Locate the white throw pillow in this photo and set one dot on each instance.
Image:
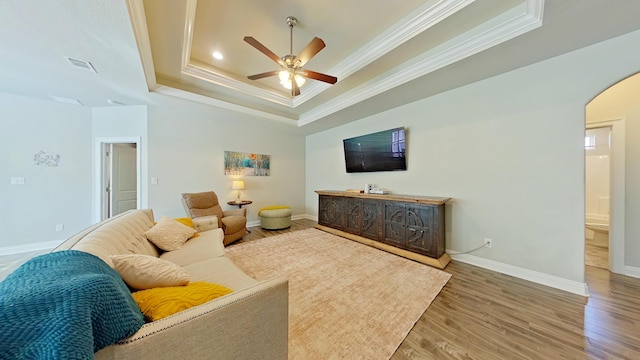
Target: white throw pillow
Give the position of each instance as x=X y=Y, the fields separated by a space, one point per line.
x=145 y=272
x=169 y=234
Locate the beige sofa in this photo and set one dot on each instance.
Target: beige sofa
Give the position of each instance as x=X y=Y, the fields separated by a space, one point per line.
x=250 y=323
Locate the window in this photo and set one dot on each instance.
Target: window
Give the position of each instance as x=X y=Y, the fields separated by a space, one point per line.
x=590 y=142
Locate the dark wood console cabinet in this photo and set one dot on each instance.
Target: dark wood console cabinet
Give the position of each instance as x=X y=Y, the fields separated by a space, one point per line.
x=410 y=226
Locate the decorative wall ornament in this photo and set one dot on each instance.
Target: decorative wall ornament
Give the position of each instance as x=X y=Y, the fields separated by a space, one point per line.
x=45 y=159
x=247 y=164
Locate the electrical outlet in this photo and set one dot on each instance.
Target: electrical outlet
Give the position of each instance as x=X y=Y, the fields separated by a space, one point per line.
x=488 y=243
x=59 y=227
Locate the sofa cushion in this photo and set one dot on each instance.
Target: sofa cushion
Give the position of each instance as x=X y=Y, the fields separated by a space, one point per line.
x=159 y=303
x=169 y=234
x=207 y=245
x=145 y=272
x=121 y=234
x=220 y=270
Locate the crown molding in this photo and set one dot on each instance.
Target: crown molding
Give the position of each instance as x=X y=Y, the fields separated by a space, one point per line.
x=404 y=30
x=141 y=33
x=506 y=26
x=187 y=95
x=502 y=28
x=204 y=74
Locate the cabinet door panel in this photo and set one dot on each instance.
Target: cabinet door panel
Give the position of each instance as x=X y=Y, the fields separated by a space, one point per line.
x=371 y=219
x=353 y=219
x=419 y=229
x=331 y=212
x=394 y=224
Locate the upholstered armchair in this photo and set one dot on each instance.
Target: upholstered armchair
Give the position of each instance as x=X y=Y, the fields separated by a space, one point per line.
x=232 y=222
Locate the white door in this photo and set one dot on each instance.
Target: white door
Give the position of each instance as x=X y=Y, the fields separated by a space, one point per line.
x=124 y=190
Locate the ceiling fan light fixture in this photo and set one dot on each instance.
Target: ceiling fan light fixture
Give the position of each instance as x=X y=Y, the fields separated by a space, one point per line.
x=291 y=65
x=284 y=76
x=286 y=83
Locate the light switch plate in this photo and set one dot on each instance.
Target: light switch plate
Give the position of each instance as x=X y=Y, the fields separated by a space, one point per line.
x=17 y=180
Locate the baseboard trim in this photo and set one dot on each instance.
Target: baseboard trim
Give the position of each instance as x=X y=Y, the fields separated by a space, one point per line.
x=253 y=223
x=632 y=271
x=17 y=249
x=574 y=287
x=299 y=217
x=293 y=217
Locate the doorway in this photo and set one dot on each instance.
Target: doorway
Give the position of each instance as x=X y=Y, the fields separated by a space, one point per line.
x=118 y=176
x=119 y=163
x=616 y=191
x=597 y=147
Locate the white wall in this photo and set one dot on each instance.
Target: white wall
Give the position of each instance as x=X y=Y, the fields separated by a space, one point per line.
x=622 y=101
x=509 y=150
x=50 y=195
x=186 y=151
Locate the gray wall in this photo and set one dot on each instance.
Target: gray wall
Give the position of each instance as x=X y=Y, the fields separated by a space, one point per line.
x=510 y=152
x=186 y=153
x=50 y=195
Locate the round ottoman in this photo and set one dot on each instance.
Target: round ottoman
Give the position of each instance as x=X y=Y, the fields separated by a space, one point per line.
x=275 y=217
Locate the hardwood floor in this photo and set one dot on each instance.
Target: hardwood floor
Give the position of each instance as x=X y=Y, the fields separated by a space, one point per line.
x=597 y=251
x=481 y=314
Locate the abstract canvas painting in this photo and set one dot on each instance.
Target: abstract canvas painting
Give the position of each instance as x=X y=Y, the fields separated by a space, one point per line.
x=248 y=164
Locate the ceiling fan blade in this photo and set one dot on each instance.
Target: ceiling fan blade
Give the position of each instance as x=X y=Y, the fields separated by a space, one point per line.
x=310 y=51
x=295 y=89
x=263 y=49
x=318 y=76
x=263 y=75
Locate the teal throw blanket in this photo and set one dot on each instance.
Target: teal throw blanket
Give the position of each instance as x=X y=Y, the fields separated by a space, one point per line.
x=64 y=305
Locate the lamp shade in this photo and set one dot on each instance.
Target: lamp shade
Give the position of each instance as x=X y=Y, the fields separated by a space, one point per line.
x=237 y=185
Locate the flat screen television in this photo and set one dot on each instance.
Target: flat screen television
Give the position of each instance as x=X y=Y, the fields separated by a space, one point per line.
x=380 y=151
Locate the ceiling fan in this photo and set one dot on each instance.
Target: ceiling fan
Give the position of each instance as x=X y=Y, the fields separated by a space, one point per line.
x=292 y=75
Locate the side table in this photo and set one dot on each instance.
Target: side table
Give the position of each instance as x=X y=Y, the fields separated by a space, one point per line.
x=239 y=204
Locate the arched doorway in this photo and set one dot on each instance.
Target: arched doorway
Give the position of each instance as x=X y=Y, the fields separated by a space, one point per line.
x=617 y=108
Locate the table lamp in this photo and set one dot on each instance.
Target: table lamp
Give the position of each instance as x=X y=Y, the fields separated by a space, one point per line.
x=237 y=185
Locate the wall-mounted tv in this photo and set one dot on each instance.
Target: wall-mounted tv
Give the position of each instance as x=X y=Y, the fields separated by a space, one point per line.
x=380 y=151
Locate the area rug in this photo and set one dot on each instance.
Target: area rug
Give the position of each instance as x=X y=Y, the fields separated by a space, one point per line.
x=346 y=300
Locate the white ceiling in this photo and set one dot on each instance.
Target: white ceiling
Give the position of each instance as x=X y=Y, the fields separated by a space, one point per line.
x=385 y=54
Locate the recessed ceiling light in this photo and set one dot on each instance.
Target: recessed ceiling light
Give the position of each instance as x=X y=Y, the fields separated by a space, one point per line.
x=218 y=55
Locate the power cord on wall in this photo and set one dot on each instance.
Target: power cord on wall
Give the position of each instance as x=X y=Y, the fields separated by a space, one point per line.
x=468 y=251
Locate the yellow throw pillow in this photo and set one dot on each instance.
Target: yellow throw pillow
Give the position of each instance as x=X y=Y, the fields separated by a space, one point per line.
x=185 y=221
x=169 y=234
x=189 y=222
x=145 y=272
x=159 y=303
